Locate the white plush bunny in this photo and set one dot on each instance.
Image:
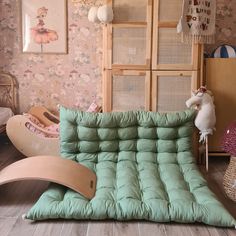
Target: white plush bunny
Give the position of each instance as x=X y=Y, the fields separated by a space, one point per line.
x=206 y=118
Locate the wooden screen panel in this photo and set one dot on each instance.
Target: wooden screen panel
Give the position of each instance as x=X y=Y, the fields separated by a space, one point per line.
x=172 y=93
x=127 y=40
x=168 y=52
x=129 y=46
x=220 y=79
x=171 y=49
x=130 y=11
x=126 y=90
x=170 y=10
x=128 y=93
x=171 y=90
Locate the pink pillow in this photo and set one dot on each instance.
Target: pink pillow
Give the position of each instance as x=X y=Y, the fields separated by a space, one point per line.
x=51 y=128
x=34 y=120
x=94 y=108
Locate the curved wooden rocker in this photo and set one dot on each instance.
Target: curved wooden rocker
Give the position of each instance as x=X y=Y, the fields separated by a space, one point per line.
x=44 y=115
x=29 y=143
x=53 y=169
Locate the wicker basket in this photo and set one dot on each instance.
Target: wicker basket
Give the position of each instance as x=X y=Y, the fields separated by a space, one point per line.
x=230 y=179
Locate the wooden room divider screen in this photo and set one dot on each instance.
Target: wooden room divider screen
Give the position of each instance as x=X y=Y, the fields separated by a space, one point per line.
x=146 y=67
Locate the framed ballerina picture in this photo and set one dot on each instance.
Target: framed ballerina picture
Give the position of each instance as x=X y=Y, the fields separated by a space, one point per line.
x=44 y=26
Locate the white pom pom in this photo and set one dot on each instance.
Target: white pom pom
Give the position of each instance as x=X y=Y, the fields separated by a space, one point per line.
x=105 y=14
x=92 y=15
x=23 y=217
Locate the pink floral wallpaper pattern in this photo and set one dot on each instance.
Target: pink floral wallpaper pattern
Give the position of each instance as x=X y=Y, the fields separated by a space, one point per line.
x=74 y=79
x=225 y=24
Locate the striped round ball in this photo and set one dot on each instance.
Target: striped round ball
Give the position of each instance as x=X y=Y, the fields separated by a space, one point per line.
x=224 y=51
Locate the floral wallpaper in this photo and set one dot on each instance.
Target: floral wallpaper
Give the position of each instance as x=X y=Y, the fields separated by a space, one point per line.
x=225 y=24
x=73 y=79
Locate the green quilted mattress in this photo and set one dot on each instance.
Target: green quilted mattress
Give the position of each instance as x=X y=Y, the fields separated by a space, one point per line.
x=144 y=166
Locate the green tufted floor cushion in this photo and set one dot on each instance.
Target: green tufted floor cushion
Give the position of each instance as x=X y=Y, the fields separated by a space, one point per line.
x=145 y=170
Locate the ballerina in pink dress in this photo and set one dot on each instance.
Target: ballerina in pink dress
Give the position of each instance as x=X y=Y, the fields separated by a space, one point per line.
x=40 y=34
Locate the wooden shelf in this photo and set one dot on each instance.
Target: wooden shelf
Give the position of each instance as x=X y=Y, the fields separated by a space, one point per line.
x=220 y=79
x=129 y=24
x=218 y=154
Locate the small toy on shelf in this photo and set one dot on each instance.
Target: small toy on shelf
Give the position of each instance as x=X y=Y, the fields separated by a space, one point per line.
x=94 y=107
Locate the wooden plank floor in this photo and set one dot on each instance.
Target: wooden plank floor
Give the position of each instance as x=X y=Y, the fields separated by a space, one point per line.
x=17 y=198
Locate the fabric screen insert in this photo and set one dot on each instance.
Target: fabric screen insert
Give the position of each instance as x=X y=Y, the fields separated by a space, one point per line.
x=171 y=50
x=130 y=11
x=128 y=93
x=129 y=46
x=170 y=10
x=172 y=92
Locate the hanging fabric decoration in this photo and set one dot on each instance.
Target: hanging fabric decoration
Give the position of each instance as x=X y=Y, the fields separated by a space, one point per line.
x=197 y=23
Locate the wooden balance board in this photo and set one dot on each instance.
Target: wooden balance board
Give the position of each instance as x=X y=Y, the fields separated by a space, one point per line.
x=29 y=143
x=44 y=115
x=53 y=169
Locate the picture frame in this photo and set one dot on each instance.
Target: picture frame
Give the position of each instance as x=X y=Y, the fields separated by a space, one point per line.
x=44 y=26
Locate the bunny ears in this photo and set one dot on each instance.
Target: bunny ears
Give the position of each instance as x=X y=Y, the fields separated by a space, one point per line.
x=202 y=90
x=103 y=14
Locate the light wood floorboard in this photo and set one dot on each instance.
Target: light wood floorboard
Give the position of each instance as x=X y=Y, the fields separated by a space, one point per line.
x=6 y=224
x=178 y=230
x=100 y=228
x=152 y=229
x=17 y=198
x=48 y=228
x=199 y=230
x=125 y=228
x=22 y=228
x=75 y=228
